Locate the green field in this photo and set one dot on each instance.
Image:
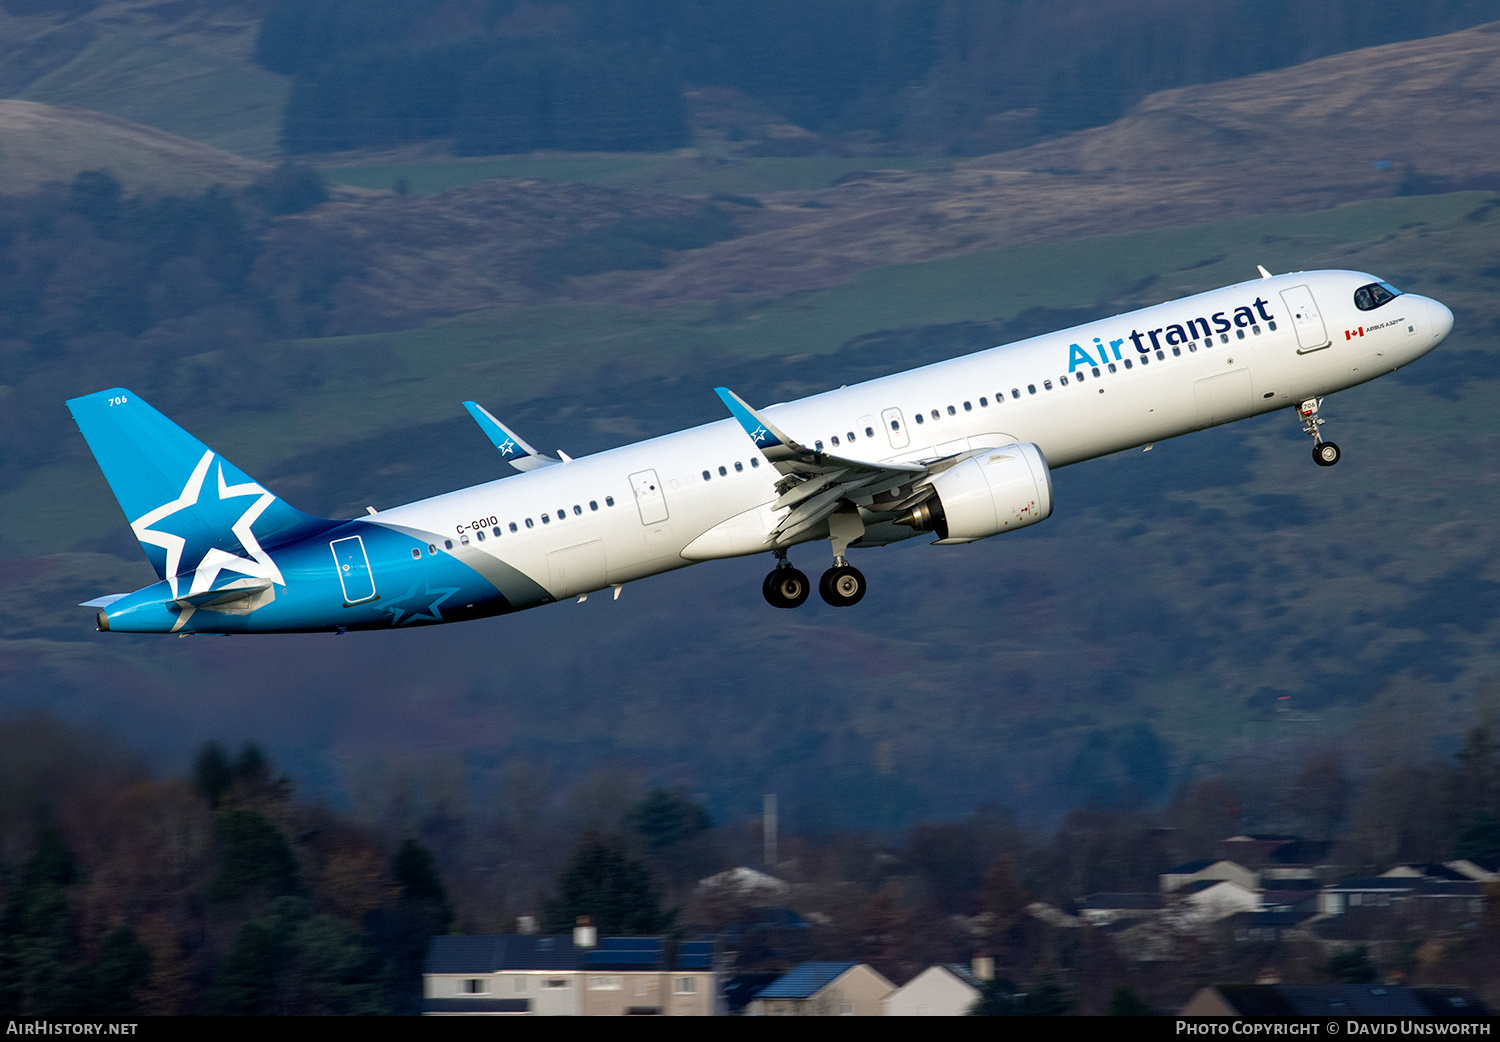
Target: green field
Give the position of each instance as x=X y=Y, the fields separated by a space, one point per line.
x=182 y=90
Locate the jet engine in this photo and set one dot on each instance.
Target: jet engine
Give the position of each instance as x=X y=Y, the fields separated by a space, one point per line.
x=994 y=491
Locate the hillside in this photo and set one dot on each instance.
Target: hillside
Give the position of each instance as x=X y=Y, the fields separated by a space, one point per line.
x=53 y=143
x=1414 y=116
x=185 y=68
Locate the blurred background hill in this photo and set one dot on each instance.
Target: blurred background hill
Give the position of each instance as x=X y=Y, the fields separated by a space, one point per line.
x=308 y=230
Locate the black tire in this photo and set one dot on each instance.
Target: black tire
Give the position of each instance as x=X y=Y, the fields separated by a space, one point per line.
x=1326 y=454
x=842 y=587
x=786 y=588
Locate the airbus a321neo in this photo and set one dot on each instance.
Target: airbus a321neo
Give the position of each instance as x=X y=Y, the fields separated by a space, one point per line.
x=961 y=450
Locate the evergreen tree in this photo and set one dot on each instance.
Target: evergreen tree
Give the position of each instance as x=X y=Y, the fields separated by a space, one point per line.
x=607 y=885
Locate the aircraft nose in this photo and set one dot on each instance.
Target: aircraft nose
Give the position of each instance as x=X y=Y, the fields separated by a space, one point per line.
x=1441 y=318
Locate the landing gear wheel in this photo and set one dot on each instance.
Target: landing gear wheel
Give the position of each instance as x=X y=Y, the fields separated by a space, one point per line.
x=842 y=586
x=1326 y=454
x=786 y=588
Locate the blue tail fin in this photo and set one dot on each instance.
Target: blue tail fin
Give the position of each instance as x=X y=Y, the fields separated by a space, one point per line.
x=189 y=507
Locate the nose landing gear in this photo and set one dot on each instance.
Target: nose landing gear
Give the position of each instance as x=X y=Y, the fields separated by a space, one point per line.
x=1325 y=453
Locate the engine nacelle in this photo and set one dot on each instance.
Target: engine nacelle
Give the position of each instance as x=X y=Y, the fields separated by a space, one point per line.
x=998 y=490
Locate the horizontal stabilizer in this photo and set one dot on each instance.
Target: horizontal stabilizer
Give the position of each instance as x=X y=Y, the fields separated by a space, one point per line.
x=516 y=452
x=228 y=597
x=103 y=602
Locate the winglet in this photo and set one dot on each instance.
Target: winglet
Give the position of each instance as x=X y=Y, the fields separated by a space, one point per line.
x=516 y=452
x=767 y=437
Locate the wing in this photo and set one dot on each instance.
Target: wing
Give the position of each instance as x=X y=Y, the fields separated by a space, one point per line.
x=516 y=452
x=816 y=484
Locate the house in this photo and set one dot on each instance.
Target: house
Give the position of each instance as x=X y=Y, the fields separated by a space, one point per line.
x=1207 y=869
x=1208 y=900
x=562 y=975
x=1337 y=1000
x=949 y=990
x=824 y=989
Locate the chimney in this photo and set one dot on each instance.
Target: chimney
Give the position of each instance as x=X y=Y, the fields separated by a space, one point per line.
x=983 y=967
x=525 y=924
x=584 y=934
x=768 y=831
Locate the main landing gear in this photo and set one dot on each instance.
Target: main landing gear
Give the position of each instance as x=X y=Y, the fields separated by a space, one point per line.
x=842 y=586
x=1325 y=453
x=785 y=587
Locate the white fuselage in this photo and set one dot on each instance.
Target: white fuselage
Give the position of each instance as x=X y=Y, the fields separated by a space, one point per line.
x=1137 y=378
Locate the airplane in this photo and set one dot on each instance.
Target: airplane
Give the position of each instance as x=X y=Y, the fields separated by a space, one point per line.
x=961 y=450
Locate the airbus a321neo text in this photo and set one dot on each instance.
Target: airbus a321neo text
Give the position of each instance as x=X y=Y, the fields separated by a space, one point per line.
x=961 y=450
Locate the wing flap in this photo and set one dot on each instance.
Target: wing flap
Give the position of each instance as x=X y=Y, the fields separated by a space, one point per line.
x=816 y=484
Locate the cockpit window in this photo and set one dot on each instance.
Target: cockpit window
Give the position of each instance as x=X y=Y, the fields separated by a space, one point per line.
x=1368 y=298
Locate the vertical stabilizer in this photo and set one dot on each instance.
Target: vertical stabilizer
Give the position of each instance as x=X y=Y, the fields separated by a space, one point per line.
x=193 y=511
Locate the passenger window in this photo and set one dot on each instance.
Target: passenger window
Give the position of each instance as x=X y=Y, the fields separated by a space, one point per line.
x=1031 y=388
x=1240 y=333
x=952 y=411
x=447 y=544
x=1161 y=356
x=577 y=510
x=1015 y=392
x=895 y=425
x=870 y=431
x=431 y=548
x=1177 y=351
x=818 y=445
x=1112 y=368
x=546 y=519
x=1096 y=370
x=416 y=554
x=480 y=534
x=609 y=501
x=738 y=467
x=1255 y=330
x=593 y=504
x=936 y=414
x=919 y=419
x=1046 y=385
x=968 y=407
x=464 y=540
x=1078 y=376
x=530 y=523
x=1223 y=338
x=706 y=475
x=1192 y=349
x=850 y=435
x=754 y=462
x=834 y=440
x=984 y=403
x=1271 y=326
x=1127 y=363
x=723 y=472
x=1063 y=380
x=1145 y=359
x=495 y=531
x=513 y=527
x=562 y=514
